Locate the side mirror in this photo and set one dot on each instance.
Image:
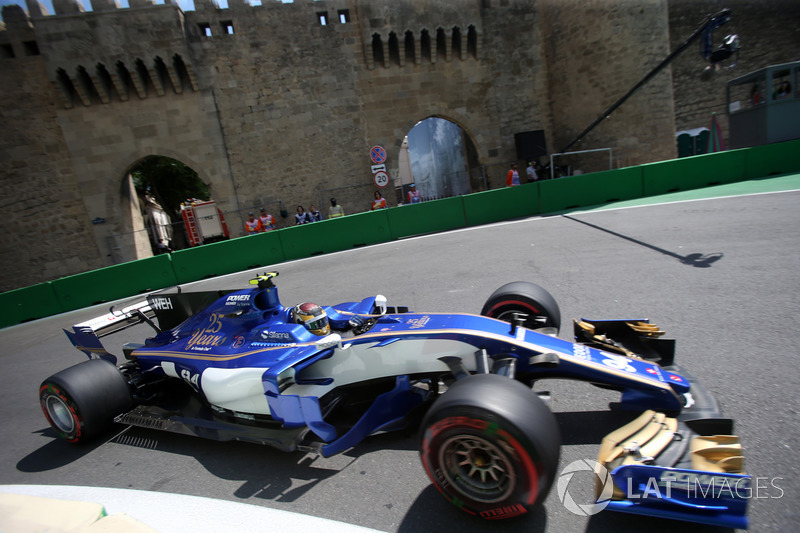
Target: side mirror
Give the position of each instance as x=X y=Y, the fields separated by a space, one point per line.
x=380 y=304
x=329 y=341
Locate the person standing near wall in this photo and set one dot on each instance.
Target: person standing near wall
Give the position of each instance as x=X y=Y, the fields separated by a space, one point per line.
x=314 y=215
x=301 y=217
x=379 y=202
x=414 y=197
x=531 y=171
x=267 y=221
x=512 y=178
x=335 y=210
x=252 y=225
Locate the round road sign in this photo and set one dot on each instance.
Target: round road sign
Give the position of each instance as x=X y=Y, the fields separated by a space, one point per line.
x=381 y=179
x=377 y=154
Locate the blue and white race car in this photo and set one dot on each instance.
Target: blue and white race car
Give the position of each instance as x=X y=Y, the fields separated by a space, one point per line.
x=238 y=365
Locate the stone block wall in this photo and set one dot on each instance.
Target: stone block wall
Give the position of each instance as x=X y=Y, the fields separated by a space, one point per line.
x=272 y=107
x=596 y=51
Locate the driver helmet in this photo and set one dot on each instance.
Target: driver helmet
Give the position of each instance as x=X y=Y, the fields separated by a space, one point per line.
x=313 y=317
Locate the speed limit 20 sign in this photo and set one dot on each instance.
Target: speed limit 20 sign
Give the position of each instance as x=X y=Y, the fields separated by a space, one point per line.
x=381 y=178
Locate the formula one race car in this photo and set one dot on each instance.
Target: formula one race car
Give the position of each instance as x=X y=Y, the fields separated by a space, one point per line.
x=238 y=365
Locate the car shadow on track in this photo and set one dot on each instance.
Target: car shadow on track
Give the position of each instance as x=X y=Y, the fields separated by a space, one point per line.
x=56 y=453
x=431 y=512
x=265 y=473
x=589 y=427
x=624 y=523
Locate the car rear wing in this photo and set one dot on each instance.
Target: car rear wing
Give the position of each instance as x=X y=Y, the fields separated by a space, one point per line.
x=86 y=335
x=169 y=308
x=116 y=320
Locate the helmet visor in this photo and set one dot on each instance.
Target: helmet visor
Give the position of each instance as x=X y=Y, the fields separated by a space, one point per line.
x=317 y=323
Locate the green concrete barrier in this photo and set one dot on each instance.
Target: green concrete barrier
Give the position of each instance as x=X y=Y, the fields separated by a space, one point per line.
x=29 y=303
x=219 y=258
x=693 y=172
x=428 y=217
x=263 y=250
x=590 y=189
x=336 y=234
x=501 y=204
x=772 y=159
x=114 y=282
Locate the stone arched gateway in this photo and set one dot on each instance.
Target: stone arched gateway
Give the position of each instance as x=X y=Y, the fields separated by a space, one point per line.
x=443 y=159
x=270 y=104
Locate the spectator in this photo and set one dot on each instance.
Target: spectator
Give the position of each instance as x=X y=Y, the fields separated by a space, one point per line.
x=314 y=215
x=414 y=196
x=335 y=210
x=267 y=221
x=252 y=224
x=755 y=97
x=379 y=202
x=301 y=217
x=512 y=178
x=531 y=171
x=784 y=90
x=162 y=248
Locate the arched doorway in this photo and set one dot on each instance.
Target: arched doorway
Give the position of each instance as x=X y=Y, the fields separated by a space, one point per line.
x=439 y=157
x=162 y=184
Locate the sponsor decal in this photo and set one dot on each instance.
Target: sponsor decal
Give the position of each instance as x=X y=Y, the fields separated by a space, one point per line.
x=420 y=322
x=202 y=340
x=579 y=350
x=280 y=336
x=270 y=344
x=655 y=371
x=619 y=362
x=238 y=342
x=234 y=299
x=503 y=512
x=161 y=304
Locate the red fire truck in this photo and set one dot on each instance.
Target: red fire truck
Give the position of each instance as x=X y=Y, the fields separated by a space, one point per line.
x=204 y=222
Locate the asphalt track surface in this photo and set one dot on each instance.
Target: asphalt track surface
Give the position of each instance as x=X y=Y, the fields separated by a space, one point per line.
x=721 y=275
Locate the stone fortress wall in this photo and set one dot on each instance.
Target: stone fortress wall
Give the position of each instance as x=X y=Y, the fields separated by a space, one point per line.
x=271 y=107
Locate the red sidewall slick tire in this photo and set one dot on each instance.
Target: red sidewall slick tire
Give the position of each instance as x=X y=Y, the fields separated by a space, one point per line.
x=525 y=298
x=490 y=446
x=61 y=412
x=81 y=401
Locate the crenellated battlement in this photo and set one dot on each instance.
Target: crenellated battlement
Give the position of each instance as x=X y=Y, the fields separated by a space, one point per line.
x=112 y=53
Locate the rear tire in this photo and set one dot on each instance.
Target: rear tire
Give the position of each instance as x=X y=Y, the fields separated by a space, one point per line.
x=526 y=298
x=81 y=401
x=490 y=446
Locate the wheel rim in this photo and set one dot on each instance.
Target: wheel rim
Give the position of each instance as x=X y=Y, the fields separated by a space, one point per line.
x=60 y=414
x=477 y=468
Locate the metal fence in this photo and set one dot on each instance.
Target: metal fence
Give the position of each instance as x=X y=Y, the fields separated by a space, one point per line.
x=580 y=162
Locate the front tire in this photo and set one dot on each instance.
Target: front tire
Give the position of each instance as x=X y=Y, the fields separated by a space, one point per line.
x=524 y=298
x=81 y=401
x=490 y=446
